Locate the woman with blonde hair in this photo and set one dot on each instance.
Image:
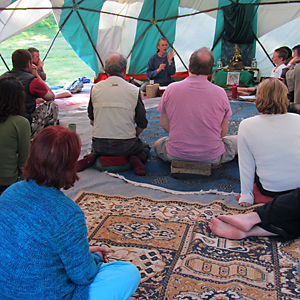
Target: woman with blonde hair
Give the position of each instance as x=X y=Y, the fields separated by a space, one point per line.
x=269 y=145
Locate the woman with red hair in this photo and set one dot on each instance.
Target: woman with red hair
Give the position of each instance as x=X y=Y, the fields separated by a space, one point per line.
x=44 y=251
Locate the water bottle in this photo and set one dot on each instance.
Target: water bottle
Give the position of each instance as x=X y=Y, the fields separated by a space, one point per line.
x=254 y=63
x=234 y=91
x=219 y=64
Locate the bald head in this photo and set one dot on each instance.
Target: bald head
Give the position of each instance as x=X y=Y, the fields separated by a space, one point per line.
x=201 y=62
x=115 y=64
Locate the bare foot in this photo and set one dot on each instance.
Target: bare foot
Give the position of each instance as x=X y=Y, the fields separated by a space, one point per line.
x=226 y=230
x=243 y=222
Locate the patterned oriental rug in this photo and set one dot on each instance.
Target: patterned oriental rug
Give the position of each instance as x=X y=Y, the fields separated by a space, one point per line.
x=224 y=181
x=179 y=257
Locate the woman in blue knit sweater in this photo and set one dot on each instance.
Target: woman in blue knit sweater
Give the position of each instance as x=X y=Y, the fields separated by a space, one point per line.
x=44 y=252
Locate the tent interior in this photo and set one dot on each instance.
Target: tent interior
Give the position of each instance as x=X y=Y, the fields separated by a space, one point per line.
x=132 y=27
x=94 y=28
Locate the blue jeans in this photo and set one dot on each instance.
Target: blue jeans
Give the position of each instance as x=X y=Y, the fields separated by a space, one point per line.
x=115 y=281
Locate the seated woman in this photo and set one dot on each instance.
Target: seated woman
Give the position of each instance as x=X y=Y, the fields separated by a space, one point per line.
x=14 y=131
x=44 y=251
x=269 y=145
x=280 y=217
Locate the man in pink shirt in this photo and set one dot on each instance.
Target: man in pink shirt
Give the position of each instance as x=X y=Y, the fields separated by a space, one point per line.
x=195 y=114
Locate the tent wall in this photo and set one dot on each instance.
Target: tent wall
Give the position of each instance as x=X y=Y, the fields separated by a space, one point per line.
x=115 y=25
x=13 y=22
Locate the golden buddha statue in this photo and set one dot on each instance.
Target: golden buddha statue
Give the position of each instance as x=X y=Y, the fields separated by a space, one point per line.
x=236 y=61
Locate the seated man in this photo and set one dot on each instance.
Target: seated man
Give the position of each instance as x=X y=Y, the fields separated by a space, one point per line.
x=36 y=92
x=38 y=63
x=292 y=76
x=195 y=113
x=161 y=66
x=114 y=108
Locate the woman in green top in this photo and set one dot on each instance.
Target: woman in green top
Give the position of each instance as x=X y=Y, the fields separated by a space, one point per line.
x=14 y=131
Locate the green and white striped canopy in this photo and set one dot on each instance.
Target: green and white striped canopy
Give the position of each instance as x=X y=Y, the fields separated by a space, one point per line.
x=96 y=27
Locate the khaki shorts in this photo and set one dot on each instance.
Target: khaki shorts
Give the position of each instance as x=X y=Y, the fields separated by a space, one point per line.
x=230 y=144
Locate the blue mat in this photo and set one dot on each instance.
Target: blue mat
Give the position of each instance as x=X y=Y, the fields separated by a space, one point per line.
x=225 y=179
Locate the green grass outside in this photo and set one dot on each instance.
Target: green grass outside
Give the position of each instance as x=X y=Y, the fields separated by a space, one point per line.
x=62 y=63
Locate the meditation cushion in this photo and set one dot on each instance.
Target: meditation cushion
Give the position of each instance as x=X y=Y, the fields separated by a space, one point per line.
x=112 y=163
x=259 y=198
x=113 y=160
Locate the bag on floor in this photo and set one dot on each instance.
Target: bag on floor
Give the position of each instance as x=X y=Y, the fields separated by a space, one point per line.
x=75 y=86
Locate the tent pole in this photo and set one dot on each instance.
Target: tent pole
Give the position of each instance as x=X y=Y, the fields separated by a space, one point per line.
x=261 y=45
x=53 y=40
x=95 y=49
x=59 y=29
x=218 y=39
x=139 y=39
x=4 y=62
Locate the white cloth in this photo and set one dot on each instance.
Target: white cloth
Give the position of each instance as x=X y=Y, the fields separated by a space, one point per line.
x=270 y=146
x=276 y=72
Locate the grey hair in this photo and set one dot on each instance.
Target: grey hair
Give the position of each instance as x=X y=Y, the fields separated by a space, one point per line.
x=115 y=64
x=158 y=42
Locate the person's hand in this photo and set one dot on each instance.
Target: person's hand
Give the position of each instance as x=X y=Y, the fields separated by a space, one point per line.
x=170 y=55
x=39 y=101
x=161 y=67
x=40 y=63
x=34 y=70
x=294 y=60
x=244 y=94
x=92 y=122
x=245 y=204
x=244 y=91
x=101 y=251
